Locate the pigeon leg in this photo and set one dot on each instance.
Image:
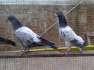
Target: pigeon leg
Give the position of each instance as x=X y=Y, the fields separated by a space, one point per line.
x=25 y=52
x=68 y=50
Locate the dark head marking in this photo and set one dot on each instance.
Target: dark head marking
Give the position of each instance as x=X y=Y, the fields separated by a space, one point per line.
x=62 y=20
x=15 y=22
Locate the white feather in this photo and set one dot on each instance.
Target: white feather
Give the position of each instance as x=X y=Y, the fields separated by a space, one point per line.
x=24 y=33
x=68 y=34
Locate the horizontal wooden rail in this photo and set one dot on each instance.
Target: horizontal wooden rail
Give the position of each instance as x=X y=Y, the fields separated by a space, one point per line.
x=90 y=47
x=88 y=51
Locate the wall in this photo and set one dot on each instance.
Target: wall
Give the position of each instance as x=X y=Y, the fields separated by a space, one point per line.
x=40 y=17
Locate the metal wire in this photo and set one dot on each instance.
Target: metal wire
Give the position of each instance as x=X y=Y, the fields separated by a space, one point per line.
x=49 y=63
x=78 y=3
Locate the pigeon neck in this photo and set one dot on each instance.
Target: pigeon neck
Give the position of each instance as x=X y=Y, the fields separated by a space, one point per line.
x=62 y=21
x=15 y=22
x=16 y=25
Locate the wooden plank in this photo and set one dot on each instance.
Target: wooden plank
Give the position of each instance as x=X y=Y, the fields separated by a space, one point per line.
x=46 y=52
x=90 y=47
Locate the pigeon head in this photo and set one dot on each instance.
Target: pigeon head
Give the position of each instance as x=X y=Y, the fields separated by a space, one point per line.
x=62 y=20
x=15 y=22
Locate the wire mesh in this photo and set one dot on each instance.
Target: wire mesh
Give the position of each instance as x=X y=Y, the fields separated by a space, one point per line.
x=55 y=62
x=48 y=63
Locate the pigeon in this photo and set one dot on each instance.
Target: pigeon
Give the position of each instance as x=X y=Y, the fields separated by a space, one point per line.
x=27 y=37
x=68 y=34
x=7 y=41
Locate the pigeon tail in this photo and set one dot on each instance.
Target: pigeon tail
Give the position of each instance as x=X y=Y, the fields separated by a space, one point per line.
x=11 y=42
x=51 y=44
x=7 y=41
x=86 y=40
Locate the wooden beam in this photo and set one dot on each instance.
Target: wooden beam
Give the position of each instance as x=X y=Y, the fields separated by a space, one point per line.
x=74 y=49
x=88 y=51
x=63 y=49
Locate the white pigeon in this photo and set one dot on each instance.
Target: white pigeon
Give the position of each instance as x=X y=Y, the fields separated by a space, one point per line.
x=27 y=37
x=67 y=33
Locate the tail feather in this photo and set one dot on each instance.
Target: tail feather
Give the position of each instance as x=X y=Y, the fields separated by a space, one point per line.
x=48 y=43
x=10 y=42
x=7 y=41
x=86 y=40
